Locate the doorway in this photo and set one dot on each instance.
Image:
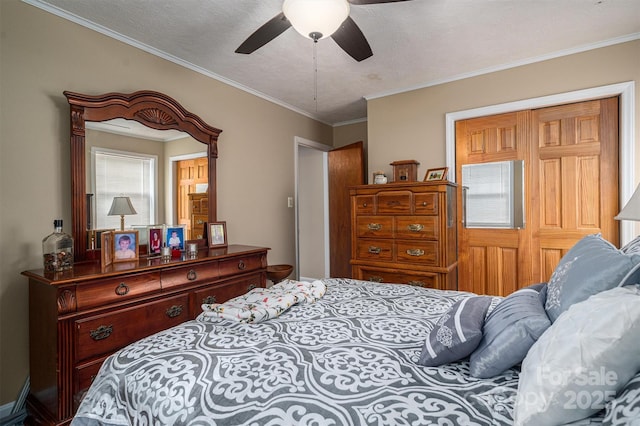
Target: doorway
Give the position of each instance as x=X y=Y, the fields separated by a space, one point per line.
x=311 y=209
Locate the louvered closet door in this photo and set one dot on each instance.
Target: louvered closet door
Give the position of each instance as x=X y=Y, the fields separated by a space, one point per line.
x=489 y=259
x=576 y=178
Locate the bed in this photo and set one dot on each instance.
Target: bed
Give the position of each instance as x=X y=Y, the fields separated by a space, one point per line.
x=352 y=357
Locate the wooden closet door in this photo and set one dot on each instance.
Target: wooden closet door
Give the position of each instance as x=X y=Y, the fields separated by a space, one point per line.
x=575 y=174
x=571 y=190
x=490 y=260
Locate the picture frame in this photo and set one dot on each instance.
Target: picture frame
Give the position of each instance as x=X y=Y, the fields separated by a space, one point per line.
x=106 y=253
x=217 y=234
x=174 y=236
x=126 y=246
x=438 y=174
x=95 y=238
x=155 y=240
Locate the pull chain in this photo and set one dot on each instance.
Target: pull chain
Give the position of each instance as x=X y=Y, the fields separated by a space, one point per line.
x=315 y=73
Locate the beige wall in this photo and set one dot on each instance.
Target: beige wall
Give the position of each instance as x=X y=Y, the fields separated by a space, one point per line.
x=411 y=125
x=43 y=55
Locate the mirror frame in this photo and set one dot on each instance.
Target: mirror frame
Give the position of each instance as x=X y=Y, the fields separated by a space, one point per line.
x=152 y=109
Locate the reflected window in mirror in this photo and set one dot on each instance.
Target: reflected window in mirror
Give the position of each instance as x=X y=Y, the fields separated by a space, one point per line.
x=493 y=194
x=131 y=174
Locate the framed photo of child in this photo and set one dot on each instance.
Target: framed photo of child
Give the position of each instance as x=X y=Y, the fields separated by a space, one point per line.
x=125 y=246
x=174 y=237
x=155 y=237
x=217 y=234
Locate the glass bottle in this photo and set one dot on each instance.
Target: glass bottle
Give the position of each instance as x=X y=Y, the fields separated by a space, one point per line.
x=57 y=249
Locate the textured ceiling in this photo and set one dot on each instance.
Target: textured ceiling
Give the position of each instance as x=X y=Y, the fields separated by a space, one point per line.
x=415 y=43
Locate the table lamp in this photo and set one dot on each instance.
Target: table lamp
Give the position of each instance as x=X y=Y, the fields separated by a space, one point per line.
x=121 y=206
x=631 y=211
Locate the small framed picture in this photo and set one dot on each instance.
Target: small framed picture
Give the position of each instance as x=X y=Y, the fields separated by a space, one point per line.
x=174 y=236
x=436 y=174
x=155 y=237
x=217 y=234
x=125 y=246
x=106 y=252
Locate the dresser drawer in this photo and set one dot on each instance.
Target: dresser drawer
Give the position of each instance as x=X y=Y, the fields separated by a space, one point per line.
x=417 y=227
x=394 y=202
x=364 y=204
x=240 y=264
x=423 y=252
x=374 y=249
x=102 y=334
x=398 y=277
x=222 y=293
x=86 y=373
x=193 y=274
x=374 y=226
x=425 y=203
x=113 y=290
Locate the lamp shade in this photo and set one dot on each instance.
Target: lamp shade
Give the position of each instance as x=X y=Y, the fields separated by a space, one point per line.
x=121 y=206
x=316 y=19
x=631 y=211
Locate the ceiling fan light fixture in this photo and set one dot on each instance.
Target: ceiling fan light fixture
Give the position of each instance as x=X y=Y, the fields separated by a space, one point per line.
x=316 y=19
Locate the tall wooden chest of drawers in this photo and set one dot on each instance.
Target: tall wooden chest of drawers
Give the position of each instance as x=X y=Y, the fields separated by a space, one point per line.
x=79 y=317
x=199 y=214
x=405 y=233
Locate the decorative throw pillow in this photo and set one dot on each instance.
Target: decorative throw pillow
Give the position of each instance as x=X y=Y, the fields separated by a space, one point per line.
x=625 y=409
x=509 y=332
x=582 y=360
x=457 y=333
x=591 y=266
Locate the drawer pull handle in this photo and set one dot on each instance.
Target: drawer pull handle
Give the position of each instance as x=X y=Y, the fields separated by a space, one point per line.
x=376 y=279
x=424 y=203
x=374 y=226
x=364 y=204
x=241 y=265
x=415 y=252
x=416 y=283
x=209 y=300
x=374 y=250
x=251 y=287
x=191 y=275
x=122 y=289
x=174 y=311
x=101 y=332
x=415 y=227
x=199 y=222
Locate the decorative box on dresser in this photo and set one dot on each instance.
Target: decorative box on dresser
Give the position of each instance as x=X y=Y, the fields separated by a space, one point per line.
x=199 y=208
x=79 y=317
x=405 y=233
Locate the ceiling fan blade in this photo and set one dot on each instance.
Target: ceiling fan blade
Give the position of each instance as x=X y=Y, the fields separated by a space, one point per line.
x=373 y=1
x=263 y=35
x=351 y=40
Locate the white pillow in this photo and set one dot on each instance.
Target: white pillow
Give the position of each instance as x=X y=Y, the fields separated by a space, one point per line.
x=582 y=360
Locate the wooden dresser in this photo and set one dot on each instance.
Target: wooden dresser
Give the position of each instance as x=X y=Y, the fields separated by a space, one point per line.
x=78 y=317
x=199 y=214
x=405 y=233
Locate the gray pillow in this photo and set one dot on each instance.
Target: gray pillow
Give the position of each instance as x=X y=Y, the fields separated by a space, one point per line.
x=591 y=266
x=457 y=333
x=625 y=408
x=509 y=331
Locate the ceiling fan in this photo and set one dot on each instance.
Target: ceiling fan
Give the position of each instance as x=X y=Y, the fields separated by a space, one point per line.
x=316 y=19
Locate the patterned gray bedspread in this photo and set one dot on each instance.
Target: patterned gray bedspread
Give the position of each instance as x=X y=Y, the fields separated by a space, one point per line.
x=348 y=359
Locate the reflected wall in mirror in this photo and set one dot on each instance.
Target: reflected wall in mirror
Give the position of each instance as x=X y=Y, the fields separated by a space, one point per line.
x=155 y=111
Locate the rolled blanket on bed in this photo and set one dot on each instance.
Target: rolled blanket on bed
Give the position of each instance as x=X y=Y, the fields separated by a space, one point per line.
x=261 y=304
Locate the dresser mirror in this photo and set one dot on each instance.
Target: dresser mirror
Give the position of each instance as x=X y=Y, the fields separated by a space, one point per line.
x=153 y=110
